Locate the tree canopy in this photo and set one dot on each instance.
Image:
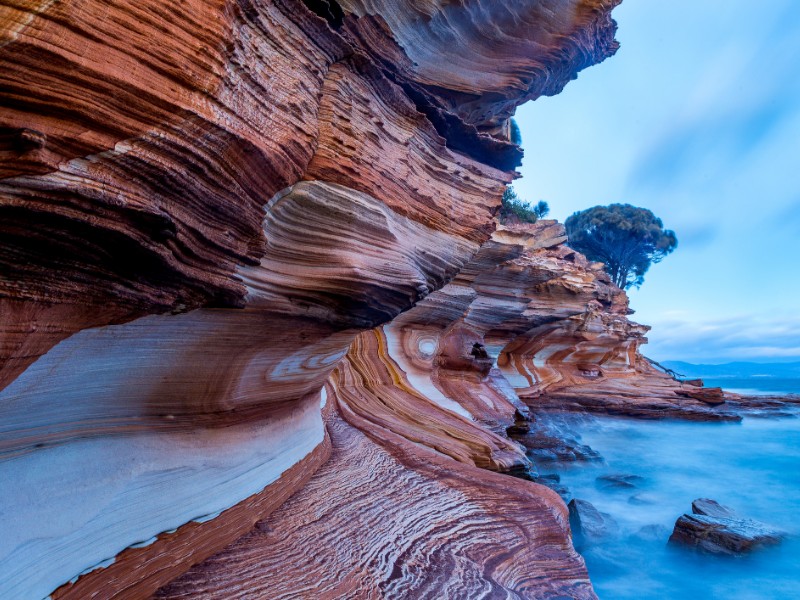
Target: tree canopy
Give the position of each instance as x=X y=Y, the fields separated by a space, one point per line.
x=628 y=239
x=515 y=208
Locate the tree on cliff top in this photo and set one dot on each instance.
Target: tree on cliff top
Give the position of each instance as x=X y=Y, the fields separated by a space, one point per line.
x=515 y=208
x=628 y=239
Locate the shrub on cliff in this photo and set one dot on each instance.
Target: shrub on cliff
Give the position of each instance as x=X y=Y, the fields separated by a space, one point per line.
x=515 y=208
x=628 y=239
x=515 y=133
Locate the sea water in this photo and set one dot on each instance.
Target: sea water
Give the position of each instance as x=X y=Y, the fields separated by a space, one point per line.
x=755 y=385
x=752 y=467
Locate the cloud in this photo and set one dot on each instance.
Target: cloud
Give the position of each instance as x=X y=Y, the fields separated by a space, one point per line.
x=744 y=92
x=713 y=144
x=745 y=337
x=788 y=219
x=696 y=235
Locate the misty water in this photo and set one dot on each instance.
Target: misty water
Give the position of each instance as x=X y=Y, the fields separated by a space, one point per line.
x=753 y=467
x=755 y=385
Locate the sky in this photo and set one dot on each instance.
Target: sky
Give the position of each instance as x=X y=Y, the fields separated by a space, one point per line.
x=697 y=117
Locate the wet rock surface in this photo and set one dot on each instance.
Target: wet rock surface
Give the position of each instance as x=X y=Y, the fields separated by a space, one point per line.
x=717 y=529
x=549 y=439
x=588 y=524
x=711 y=508
x=619 y=481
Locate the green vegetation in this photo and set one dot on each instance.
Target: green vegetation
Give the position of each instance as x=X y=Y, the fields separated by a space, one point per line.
x=516 y=134
x=628 y=239
x=515 y=209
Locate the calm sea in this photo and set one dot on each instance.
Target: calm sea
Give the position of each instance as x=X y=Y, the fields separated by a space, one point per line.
x=755 y=385
x=752 y=466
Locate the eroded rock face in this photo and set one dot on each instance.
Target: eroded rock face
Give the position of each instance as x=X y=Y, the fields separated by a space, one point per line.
x=566 y=342
x=426 y=385
x=202 y=206
x=405 y=522
x=556 y=333
x=531 y=49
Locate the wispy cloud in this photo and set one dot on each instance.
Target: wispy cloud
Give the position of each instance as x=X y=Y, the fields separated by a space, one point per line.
x=788 y=219
x=745 y=337
x=747 y=90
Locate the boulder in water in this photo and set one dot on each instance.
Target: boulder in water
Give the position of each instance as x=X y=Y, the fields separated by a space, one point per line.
x=588 y=524
x=717 y=529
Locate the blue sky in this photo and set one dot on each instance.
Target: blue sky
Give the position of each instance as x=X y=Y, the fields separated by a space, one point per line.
x=697 y=117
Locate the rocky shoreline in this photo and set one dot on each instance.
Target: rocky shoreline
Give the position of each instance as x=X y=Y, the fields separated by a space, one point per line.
x=261 y=334
x=553 y=445
x=549 y=436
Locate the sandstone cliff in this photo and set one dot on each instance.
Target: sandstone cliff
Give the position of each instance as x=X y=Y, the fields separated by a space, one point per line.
x=202 y=206
x=419 y=415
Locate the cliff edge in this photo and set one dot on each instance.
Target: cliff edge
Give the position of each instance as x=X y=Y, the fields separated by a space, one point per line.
x=207 y=209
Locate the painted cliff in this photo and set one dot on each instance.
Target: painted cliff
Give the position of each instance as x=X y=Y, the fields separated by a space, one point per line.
x=250 y=294
x=431 y=414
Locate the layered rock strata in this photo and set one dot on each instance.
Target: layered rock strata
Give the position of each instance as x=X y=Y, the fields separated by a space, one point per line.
x=201 y=207
x=405 y=521
x=527 y=326
x=571 y=346
x=530 y=323
x=427 y=385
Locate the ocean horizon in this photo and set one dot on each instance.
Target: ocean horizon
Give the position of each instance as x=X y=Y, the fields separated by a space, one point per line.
x=761 y=386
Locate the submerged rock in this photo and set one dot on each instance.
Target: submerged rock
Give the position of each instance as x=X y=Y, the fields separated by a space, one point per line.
x=550 y=478
x=652 y=532
x=548 y=439
x=642 y=499
x=588 y=524
x=545 y=449
x=717 y=529
x=553 y=481
x=618 y=481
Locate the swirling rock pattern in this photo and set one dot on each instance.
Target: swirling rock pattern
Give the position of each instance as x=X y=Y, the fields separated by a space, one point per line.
x=201 y=207
x=531 y=49
x=559 y=331
x=425 y=392
x=404 y=522
x=385 y=397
